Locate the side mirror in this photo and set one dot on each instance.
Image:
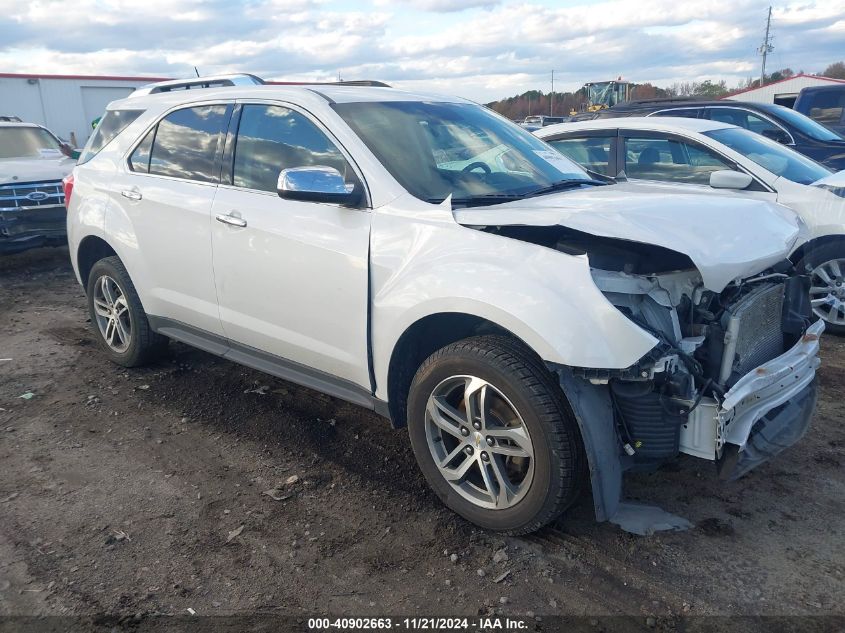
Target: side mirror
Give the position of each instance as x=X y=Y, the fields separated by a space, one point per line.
x=777 y=135
x=729 y=179
x=316 y=183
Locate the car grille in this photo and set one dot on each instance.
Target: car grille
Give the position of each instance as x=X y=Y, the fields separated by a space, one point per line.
x=31 y=195
x=754 y=332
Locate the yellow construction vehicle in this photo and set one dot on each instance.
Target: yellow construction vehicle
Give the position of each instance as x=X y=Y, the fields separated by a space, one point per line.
x=606 y=94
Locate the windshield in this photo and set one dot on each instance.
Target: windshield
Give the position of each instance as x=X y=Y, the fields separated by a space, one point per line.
x=771 y=155
x=804 y=124
x=464 y=150
x=28 y=142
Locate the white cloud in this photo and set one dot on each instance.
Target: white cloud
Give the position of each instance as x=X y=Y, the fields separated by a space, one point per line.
x=420 y=44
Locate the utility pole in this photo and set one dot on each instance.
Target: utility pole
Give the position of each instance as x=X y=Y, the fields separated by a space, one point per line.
x=552 y=97
x=766 y=47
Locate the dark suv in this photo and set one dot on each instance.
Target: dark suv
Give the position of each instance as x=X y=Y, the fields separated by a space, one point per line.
x=824 y=104
x=773 y=121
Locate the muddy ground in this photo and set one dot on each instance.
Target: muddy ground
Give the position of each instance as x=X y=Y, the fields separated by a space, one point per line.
x=142 y=491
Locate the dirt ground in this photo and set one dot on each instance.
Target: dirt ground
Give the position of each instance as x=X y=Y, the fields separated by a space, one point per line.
x=142 y=492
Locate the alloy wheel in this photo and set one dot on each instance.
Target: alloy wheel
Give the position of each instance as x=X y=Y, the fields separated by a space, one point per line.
x=112 y=313
x=827 y=291
x=479 y=442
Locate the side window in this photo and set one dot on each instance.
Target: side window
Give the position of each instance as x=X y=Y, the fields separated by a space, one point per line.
x=111 y=124
x=744 y=119
x=828 y=107
x=668 y=160
x=139 y=161
x=273 y=138
x=592 y=153
x=185 y=143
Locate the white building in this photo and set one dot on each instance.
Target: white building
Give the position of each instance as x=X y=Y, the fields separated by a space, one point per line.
x=65 y=104
x=783 y=92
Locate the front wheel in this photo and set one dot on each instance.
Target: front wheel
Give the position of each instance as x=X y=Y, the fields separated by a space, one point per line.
x=826 y=267
x=493 y=435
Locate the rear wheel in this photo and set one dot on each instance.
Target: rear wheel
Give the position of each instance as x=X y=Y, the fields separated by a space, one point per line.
x=118 y=318
x=493 y=435
x=826 y=267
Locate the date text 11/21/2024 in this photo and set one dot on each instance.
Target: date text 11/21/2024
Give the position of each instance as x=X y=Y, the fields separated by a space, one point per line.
x=418 y=624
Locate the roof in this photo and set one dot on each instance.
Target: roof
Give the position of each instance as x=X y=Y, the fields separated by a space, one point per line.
x=780 y=81
x=332 y=93
x=654 y=123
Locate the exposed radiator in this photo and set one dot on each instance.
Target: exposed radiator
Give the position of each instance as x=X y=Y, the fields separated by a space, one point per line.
x=753 y=332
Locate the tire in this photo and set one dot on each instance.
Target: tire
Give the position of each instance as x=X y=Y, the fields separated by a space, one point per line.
x=133 y=341
x=540 y=487
x=812 y=261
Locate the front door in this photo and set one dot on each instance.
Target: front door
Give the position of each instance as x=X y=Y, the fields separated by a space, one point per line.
x=292 y=280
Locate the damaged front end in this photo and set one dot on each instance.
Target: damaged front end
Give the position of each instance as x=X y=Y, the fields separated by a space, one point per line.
x=32 y=214
x=732 y=379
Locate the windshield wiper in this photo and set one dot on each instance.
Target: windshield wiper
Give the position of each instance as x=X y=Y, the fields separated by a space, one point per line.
x=564 y=184
x=487 y=198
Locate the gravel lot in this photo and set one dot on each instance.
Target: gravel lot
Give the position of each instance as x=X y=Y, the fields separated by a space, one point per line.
x=143 y=491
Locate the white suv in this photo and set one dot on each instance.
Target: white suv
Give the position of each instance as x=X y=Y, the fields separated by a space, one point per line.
x=425 y=258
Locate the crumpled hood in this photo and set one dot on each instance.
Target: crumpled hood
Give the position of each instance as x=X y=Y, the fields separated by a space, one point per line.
x=35 y=169
x=835 y=180
x=725 y=237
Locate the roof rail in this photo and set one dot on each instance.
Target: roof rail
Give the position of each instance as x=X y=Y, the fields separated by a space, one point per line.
x=10 y=118
x=362 y=82
x=212 y=81
x=635 y=102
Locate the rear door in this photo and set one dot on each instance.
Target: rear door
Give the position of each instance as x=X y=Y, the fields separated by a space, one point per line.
x=165 y=195
x=595 y=151
x=292 y=280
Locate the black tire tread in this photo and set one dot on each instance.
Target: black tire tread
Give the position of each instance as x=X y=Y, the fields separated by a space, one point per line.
x=527 y=369
x=148 y=345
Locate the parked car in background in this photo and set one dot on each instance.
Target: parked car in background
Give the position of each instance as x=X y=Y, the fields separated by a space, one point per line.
x=781 y=124
x=33 y=162
x=823 y=104
x=668 y=154
x=536 y=121
x=426 y=258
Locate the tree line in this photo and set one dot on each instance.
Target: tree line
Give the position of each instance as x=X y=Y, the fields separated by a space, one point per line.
x=562 y=103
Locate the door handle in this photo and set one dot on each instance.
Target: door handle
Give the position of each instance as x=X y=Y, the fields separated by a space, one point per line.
x=228 y=218
x=132 y=194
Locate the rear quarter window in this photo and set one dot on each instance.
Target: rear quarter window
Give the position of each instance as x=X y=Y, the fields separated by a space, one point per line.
x=112 y=124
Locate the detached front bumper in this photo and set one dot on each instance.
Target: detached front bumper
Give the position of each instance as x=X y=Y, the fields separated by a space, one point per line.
x=770 y=408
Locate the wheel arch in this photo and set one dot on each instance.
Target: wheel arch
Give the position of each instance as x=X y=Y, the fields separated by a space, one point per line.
x=91 y=250
x=817 y=242
x=421 y=339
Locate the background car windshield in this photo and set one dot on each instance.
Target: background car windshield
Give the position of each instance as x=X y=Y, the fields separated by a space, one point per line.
x=437 y=149
x=804 y=123
x=28 y=142
x=770 y=155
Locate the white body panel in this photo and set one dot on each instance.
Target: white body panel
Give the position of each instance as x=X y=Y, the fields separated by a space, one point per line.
x=293 y=282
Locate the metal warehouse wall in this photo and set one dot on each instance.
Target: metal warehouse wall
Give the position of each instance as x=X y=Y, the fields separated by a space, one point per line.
x=64 y=105
x=782 y=89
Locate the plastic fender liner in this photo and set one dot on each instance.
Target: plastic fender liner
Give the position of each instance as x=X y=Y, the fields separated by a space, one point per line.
x=593 y=410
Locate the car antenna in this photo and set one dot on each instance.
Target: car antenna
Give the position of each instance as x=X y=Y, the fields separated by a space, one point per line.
x=196 y=71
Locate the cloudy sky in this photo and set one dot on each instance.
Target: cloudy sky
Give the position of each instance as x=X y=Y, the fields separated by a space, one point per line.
x=481 y=49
